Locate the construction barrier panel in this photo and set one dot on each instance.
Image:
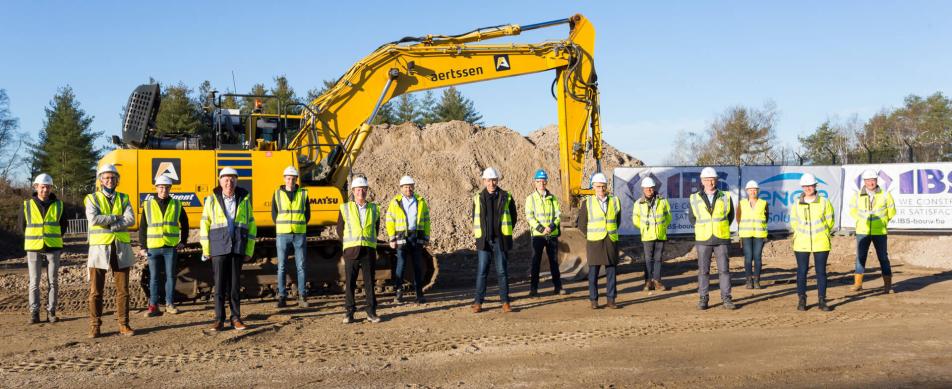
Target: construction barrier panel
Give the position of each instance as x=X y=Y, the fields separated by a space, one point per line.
x=922 y=192
x=780 y=187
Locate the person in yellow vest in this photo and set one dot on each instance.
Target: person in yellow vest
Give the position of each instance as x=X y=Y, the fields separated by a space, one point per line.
x=651 y=215
x=752 y=229
x=228 y=231
x=711 y=213
x=43 y=227
x=811 y=219
x=109 y=214
x=872 y=208
x=291 y=211
x=543 y=215
x=494 y=216
x=599 y=217
x=408 y=227
x=163 y=230
x=357 y=227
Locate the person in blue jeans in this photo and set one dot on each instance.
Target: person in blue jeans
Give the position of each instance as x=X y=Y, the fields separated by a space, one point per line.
x=163 y=230
x=494 y=216
x=291 y=211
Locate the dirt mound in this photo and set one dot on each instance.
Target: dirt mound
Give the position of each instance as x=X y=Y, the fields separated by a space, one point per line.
x=446 y=160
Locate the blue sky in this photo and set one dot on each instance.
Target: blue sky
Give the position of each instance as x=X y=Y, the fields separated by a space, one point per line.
x=663 y=66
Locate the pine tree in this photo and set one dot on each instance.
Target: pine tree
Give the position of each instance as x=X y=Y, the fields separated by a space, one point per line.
x=178 y=113
x=66 y=148
x=427 y=108
x=407 y=111
x=825 y=145
x=284 y=96
x=248 y=103
x=386 y=114
x=453 y=106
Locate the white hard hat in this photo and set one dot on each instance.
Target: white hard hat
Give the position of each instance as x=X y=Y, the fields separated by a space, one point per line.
x=407 y=180
x=599 y=178
x=648 y=182
x=43 y=179
x=359 y=182
x=870 y=174
x=163 y=180
x=227 y=172
x=107 y=168
x=751 y=185
x=708 y=172
x=490 y=174
x=290 y=171
x=807 y=179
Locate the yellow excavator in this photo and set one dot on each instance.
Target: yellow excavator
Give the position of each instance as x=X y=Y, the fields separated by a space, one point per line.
x=324 y=138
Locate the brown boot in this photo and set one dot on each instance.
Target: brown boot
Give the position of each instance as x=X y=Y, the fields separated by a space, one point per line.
x=887 y=284
x=506 y=308
x=94 y=332
x=611 y=304
x=477 y=308
x=857 y=283
x=659 y=285
x=125 y=330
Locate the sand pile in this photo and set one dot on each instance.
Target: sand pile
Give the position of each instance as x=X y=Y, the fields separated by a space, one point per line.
x=447 y=159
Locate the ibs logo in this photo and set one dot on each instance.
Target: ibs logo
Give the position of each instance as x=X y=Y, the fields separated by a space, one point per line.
x=916 y=181
x=682 y=185
x=773 y=197
x=170 y=167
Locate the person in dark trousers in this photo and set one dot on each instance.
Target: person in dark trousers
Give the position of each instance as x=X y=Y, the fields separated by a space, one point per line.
x=43 y=226
x=291 y=211
x=228 y=233
x=494 y=216
x=163 y=229
x=543 y=214
x=812 y=219
x=752 y=215
x=651 y=215
x=357 y=226
x=408 y=227
x=711 y=214
x=600 y=217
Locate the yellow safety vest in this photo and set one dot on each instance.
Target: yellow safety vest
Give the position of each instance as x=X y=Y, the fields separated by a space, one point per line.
x=602 y=223
x=396 y=222
x=99 y=235
x=713 y=223
x=216 y=239
x=812 y=225
x=505 y=220
x=162 y=230
x=872 y=220
x=652 y=221
x=290 y=218
x=356 y=234
x=42 y=230
x=543 y=211
x=753 y=221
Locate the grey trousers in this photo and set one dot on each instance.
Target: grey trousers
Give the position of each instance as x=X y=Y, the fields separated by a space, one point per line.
x=35 y=261
x=704 y=269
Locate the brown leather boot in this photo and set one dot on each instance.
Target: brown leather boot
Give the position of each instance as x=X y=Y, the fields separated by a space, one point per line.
x=857 y=283
x=506 y=308
x=887 y=284
x=125 y=330
x=477 y=308
x=611 y=304
x=94 y=332
x=659 y=285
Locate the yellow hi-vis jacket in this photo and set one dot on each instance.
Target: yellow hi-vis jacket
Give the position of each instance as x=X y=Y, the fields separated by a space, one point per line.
x=355 y=233
x=812 y=224
x=652 y=218
x=542 y=212
x=396 y=221
x=872 y=220
x=290 y=218
x=505 y=220
x=216 y=238
x=600 y=224
x=715 y=223
x=99 y=235
x=42 y=230
x=753 y=220
x=162 y=230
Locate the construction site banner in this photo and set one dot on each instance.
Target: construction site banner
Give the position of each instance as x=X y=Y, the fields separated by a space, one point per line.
x=922 y=192
x=780 y=187
x=676 y=184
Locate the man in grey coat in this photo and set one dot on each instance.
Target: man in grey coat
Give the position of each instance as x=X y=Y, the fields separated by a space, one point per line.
x=599 y=218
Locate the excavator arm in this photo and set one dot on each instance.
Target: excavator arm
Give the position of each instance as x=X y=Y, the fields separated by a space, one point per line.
x=336 y=124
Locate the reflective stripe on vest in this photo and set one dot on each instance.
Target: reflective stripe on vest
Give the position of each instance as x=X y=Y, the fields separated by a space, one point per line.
x=356 y=234
x=753 y=221
x=711 y=224
x=215 y=224
x=542 y=211
x=396 y=221
x=599 y=224
x=810 y=222
x=505 y=221
x=290 y=218
x=162 y=230
x=99 y=235
x=42 y=230
x=871 y=220
x=650 y=220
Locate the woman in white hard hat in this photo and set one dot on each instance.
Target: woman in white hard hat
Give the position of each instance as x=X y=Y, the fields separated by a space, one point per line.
x=599 y=218
x=43 y=227
x=811 y=219
x=752 y=229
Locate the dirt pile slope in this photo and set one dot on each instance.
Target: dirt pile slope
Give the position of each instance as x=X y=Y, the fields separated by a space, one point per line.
x=446 y=160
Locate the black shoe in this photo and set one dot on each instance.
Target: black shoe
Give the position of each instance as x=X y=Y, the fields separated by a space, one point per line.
x=757 y=283
x=702 y=303
x=34 y=317
x=373 y=318
x=802 y=303
x=728 y=304
x=420 y=300
x=302 y=303
x=822 y=305
x=348 y=318
x=749 y=284
x=594 y=304
x=398 y=297
x=51 y=317
x=533 y=293
x=282 y=302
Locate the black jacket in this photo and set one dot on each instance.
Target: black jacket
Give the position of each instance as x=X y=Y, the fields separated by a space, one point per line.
x=43 y=206
x=491 y=220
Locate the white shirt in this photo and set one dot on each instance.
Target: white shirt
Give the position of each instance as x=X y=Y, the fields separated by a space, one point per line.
x=410 y=208
x=362 y=212
x=603 y=202
x=231 y=209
